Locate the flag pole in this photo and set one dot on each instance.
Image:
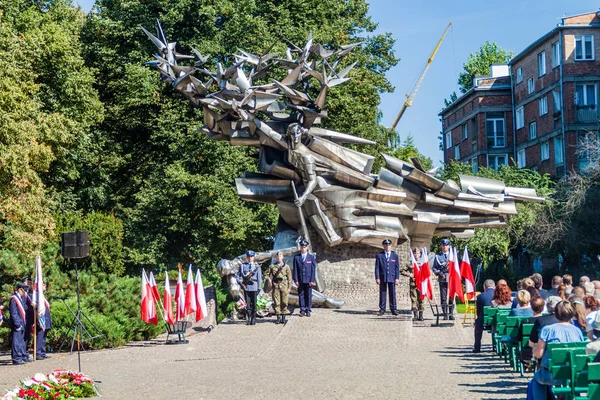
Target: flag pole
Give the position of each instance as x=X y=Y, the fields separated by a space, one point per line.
x=35 y=318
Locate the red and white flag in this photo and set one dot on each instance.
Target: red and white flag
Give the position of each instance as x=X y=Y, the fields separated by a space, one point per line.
x=454 y=279
x=154 y=287
x=179 y=299
x=467 y=272
x=168 y=304
x=39 y=299
x=201 y=309
x=148 y=308
x=425 y=276
x=190 y=293
x=416 y=270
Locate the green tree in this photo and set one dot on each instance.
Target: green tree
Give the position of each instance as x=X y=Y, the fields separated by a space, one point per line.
x=478 y=64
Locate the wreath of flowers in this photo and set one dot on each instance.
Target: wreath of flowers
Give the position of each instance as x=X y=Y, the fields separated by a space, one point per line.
x=58 y=385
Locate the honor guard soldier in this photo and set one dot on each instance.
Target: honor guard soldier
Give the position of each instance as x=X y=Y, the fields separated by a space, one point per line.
x=249 y=277
x=18 y=312
x=280 y=276
x=305 y=277
x=440 y=268
x=29 y=310
x=387 y=274
x=415 y=298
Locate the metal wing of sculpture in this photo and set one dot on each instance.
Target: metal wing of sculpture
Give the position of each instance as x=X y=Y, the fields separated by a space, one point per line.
x=340 y=198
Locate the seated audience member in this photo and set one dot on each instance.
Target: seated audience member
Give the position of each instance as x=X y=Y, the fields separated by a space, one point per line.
x=544 y=320
x=593 y=347
x=591 y=304
x=580 y=314
x=561 y=292
x=537 y=306
x=556 y=282
x=583 y=280
x=528 y=285
x=589 y=288
x=596 y=289
x=502 y=282
x=561 y=332
x=483 y=300
x=527 y=282
x=502 y=297
x=568 y=282
x=524 y=308
x=539 y=285
x=577 y=291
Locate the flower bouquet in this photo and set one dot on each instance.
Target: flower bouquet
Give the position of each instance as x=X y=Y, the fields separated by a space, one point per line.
x=58 y=385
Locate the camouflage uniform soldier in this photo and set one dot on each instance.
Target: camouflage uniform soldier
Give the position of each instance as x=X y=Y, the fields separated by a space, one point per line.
x=280 y=277
x=415 y=296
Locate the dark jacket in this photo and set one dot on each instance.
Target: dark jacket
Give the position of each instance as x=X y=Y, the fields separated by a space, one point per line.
x=483 y=300
x=387 y=271
x=18 y=322
x=539 y=323
x=305 y=271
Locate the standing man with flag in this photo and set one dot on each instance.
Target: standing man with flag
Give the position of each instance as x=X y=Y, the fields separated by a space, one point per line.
x=387 y=275
x=29 y=311
x=249 y=276
x=44 y=321
x=18 y=312
x=412 y=271
x=440 y=269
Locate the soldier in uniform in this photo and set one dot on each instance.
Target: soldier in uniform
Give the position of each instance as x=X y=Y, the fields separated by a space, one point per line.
x=280 y=277
x=305 y=277
x=249 y=276
x=440 y=268
x=387 y=274
x=42 y=332
x=18 y=312
x=29 y=310
x=415 y=297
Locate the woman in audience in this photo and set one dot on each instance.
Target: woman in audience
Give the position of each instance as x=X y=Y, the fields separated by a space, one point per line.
x=592 y=304
x=593 y=347
x=502 y=297
x=561 y=292
x=561 y=332
x=580 y=314
x=524 y=308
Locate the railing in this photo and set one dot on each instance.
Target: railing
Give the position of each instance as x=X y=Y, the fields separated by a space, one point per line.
x=586 y=115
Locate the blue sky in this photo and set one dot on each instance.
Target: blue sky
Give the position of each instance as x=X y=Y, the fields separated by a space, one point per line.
x=417 y=26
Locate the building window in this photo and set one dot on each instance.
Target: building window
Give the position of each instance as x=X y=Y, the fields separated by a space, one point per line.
x=448 y=140
x=530 y=85
x=496 y=135
x=520 y=118
x=556 y=54
x=532 y=131
x=556 y=103
x=495 y=161
x=542 y=63
x=521 y=161
x=457 y=152
x=584 y=47
x=543 y=105
x=545 y=151
x=585 y=96
x=465 y=131
x=519 y=75
x=474 y=165
x=558 y=150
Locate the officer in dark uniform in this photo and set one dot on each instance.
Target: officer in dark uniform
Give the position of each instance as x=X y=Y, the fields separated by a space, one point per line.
x=42 y=332
x=18 y=312
x=305 y=277
x=249 y=276
x=387 y=274
x=440 y=268
x=30 y=314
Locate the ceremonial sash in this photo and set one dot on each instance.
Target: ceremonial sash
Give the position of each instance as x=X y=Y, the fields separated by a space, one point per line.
x=17 y=300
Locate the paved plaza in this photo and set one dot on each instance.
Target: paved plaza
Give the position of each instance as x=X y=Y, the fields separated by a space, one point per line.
x=349 y=353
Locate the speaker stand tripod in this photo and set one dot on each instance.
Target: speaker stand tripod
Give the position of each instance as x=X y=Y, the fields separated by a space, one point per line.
x=80 y=333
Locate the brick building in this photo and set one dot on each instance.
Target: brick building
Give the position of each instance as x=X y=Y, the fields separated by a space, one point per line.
x=538 y=110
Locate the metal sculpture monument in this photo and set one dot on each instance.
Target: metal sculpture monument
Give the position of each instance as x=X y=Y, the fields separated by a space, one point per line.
x=337 y=196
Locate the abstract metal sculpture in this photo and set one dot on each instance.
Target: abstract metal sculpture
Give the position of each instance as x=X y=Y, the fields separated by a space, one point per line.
x=338 y=195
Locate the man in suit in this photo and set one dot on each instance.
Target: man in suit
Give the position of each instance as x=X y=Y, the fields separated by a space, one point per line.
x=387 y=275
x=30 y=313
x=539 y=283
x=483 y=300
x=42 y=331
x=18 y=312
x=440 y=269
x=556 y=282
x=305 y=277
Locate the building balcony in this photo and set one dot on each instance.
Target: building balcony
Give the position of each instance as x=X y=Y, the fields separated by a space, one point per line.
x=586 y=114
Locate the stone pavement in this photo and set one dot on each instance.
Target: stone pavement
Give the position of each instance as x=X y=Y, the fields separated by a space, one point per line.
x=349 y=353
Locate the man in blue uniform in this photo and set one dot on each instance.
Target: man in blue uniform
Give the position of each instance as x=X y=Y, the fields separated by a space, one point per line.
x=483 y=300
x=42 y=332
x=249 y=276
x=29 y=313
x=18 y=310
x=387 y=274
x=305 y=277
x=440 y=268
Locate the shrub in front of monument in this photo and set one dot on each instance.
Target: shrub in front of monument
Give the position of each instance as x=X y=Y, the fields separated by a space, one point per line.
x=57 y=385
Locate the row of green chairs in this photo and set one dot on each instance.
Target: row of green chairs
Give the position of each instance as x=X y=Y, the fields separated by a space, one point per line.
x=570 y=366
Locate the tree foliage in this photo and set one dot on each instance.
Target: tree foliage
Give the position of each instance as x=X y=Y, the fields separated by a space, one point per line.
x=478 y=64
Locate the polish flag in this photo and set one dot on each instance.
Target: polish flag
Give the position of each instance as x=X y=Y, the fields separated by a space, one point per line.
x=190 y=293
x=201 y=309
x=38 y=293
x=154 y=287
x=454 y=279
x=179 y=299
x=425 y=276
x=416 y=270
x=148 y=308
x=467 y=272
x=168 y=304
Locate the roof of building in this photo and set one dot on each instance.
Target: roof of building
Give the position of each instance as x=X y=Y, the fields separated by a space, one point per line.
x=487 y=83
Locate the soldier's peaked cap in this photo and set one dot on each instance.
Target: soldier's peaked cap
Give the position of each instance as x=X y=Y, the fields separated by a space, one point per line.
x=250 y=253
x=303 y=243
x=386 y=241
x=21 y=285
x=446 y=241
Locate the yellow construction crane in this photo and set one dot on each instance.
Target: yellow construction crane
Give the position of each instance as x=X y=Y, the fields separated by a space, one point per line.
x=413 y=92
